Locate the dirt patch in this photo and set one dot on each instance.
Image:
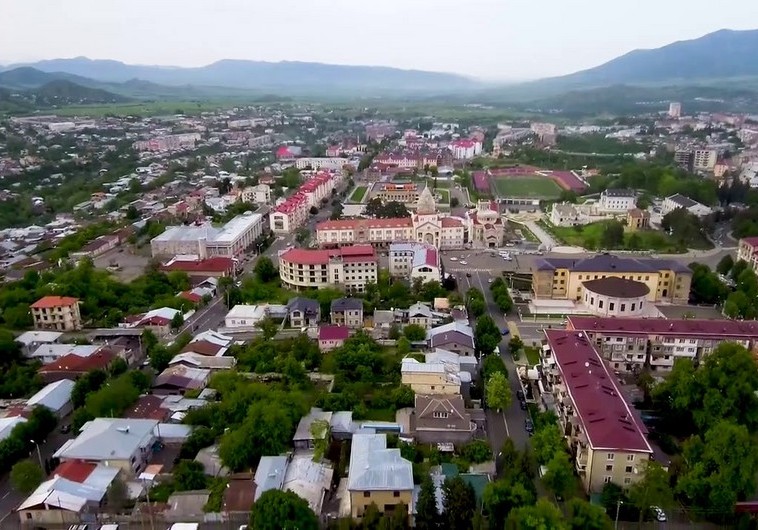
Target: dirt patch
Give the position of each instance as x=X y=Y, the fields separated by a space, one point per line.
x=125 y=262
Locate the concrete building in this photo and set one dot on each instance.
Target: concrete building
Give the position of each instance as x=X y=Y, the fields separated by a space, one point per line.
x=260 y=194
x=293 y=212
x=56 y=397
x=748 y=252
x=563 y=278
x=303 y=312
x=704 y=159
x=206 y=241
x=564 y=214
x=637 y=219
x=455 y=337
x=465 y=149
x=378 y=475
x=244 y=317
x=617 y=200
x=331 y=163
x=330 y=337
x=415 y=260
x=429 y=378
x=615 y=297
x=347 y=312
x=606 y=440
x=402 y=192
x=348 y=268
x=675 y=109
x=680 y=201
x=59 y=313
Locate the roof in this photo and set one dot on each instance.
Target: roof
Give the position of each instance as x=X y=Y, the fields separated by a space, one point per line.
x=419 y=309
x=442 y=356
x=681 y=200
x=455 y=337
x=619 y=192
x=215 y=264
x=203 y=347
x=452 y=326
x=333 y=333
x=637 y=213
x=353 y=224
x=752 y=241
x=38 y=337
x=59 y=350
x=47 y=302
x=610 y=263
x=80 y=486
x=74 y=471
x=304 y=426
x=108 y=439
x=305 y=305
x=270 y=474
x=352 y=253
x=347 y=304
x=72 y=363
x=617 y=287
x=54 y=396
x=182 y=377
x=308 y=479
x=373 y=467
x=605 y=416
x=711 y=329
x=8 y=423
x=148 y=407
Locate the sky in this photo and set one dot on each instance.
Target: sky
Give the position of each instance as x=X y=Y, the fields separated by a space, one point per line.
x=488 y=39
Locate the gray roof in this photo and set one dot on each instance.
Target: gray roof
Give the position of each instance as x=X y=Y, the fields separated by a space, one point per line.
x=683 y=201
x=619 y=192
x=306 y=305
x=347 y=304
x=373 y=467
x=451 y=337
x=270 y=474
x=304 y=427
x=342 y=422
x=419 y=309
x=54 y=396
x=452 y=326
x=108 y=439
x=610 y=263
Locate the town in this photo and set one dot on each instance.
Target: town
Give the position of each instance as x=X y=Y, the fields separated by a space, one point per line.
x=300 y=316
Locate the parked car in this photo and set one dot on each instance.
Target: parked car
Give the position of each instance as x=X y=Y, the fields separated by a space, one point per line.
x=529 y=426
x=520 y=395
x=66 y=428
x=522 y=404
x=505 y=331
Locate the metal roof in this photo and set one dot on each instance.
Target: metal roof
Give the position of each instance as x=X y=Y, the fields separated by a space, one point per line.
x=54 y=396
x=373 y=467
x=270 y=474
x=108 y=439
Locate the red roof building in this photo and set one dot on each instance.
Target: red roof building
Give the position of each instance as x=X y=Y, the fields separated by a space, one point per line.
x=72 y=366
x=51 y=302
x=350 y=267
x=215 y=267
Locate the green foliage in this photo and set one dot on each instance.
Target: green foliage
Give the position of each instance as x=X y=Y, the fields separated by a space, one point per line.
x=477 y=452
x=515 y=345
x=581 y=515
x=500 y=293
x=18 y=444
x=486 y=335
x=403 y=346
x=547 y=441
x=493 y=364
x=200 y=438
x=427 y=516
x=414 y=332
x=266 y=356
x=189 y=475
x=706 y=287
x=282 y=510
x=264 y=270
x=391 y=209
x=541 y=516
x=502 y=496
x=725 y=265
x=685 y=228
x=25 y=476
x=497 y=392
x=613 y=235
x=559 y=477
x=459 y=501
x=652 y=490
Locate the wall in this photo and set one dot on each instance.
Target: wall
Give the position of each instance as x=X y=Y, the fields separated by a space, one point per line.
x=380 y=498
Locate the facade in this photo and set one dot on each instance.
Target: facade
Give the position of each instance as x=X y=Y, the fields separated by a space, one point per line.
x=705 y=159
x=171 y=142
x=260 y=194
x=564 y=214
x=486 y=225
x=441 y=419
x=207 y=241
x=332 y=163
x=465 y=149
x=617 y=200
x=378 y=475
x=415 y=260
x=402 y=192
x=243 y=317
x=421 y=315
x=628 y=344
x=293 y=212
x=455 y=337
x=606 y=440
x=330 y=337
x=195 y=267
x=680 y=201
x=348 y=268
x=429 y=378
x=347 y=312
x=59 y=313
x=748 y=252
x=675 y=109
x=615 y=297
x=563 y=278
x=637 y=219
x=303 y=312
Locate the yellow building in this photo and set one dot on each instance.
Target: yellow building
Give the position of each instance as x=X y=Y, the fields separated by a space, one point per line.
x=378 y=475
x=562 y=278
x=429 y=378
x=637 y=219
x=606 y=441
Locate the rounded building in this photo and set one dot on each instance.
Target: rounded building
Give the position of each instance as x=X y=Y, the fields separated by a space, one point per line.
x=615 y=297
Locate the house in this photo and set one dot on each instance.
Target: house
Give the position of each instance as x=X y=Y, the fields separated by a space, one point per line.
x=678 y=200
x=564 y=214
x=421 y=315
x=441 y=419
x=415 y=260
x=299 y=474
x=637 y=219
x=205 y=362
x=304 y=438
x=59 y=313
x=378 y=475
x=454 y=337
x=49 y=353
x=178 y=379
x=31 y=340
x=72 y=366
x=120 y=443
x=56 y=397
x=269 y=475
x=303 y=312
x=156 y=320
x=456 y=363
x=208 y=344
x=429 y=378
x=347 y=312
x=330 y=337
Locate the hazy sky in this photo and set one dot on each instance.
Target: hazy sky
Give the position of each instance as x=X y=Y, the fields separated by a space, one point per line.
x=493 y=39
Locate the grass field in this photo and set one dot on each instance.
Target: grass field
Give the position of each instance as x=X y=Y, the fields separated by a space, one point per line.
x=358 y=194
x=527 y=187
x=444 y=194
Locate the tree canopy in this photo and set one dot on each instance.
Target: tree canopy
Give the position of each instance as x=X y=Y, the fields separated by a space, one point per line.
x=497 y=391
x=282 y=510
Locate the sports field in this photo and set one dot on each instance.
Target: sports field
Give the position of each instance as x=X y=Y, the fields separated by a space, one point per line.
x=527 y=187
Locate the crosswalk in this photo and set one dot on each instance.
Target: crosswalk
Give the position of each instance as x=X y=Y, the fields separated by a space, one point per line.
x=468 y=269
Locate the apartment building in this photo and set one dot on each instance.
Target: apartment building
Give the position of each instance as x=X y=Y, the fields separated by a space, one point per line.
x=465 y=149
x=628 y=344
x=169 y=142
x=415 y=260
x=704 y=159
x=333 y=163
x=348 y=268
x=205 y=240
x=59 y=313
x=260 y=194
x=606 y=440
x=563 y=278
x=293 y=212
x=748 y=252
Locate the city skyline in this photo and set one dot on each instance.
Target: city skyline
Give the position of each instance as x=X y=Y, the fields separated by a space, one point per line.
x=485 y=39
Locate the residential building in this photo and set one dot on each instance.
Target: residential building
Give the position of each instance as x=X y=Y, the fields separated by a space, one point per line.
x=564 y=214
x=303 y=312
x=156 y=320
x=293 y=212
x=56 y=397
x=8 y=423
x=455 y=337
x=97 y=247
x=208 y=344
x=675 y=110
x=563 y=278
x=125 y=444
x=415 y=260
x=299 y=474
x=421 y=315
x=179 y=379
x=304 y=438
x=637 y=219
x=748 y=252
x=244 y=317
x=72 y=366
x=429 y=378
x=49 y=353
x=455 y=363
x=378 y=475
x=331 y=163
x=330 y=337
x=206 y=241
x=347 y=312
x=486 y=227
x=606 y=440
x=629 y=344
x=260 y=194
x=617 y=200
x=59 y=313
x=684 y=158
x=680 y=201
x=465 y=149
x=31 y=340
x=348 y=268
x=170 y=142
x=441 y=419
x=704 y=159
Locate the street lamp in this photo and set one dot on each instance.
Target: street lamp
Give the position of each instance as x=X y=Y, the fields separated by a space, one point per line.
x=618 y=507
x=39 y=455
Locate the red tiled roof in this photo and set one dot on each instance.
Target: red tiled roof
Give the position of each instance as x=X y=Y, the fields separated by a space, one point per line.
x=450 y=222
x=752 y=241
x=75 y=471
x=75 y=364
x=333 y=333
x=354 y=224
x=47 y=302
x=203 y=347
x=662 y=326
x=149 y=408
x=431 y=257
x=606 y=418
x=320 y=257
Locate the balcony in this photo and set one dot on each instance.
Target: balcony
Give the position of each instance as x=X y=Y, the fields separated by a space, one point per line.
x=581 y=461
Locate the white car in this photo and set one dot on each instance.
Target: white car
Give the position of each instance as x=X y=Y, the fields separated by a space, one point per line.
x=453 y=258
x=464 y=262
x=658 y=513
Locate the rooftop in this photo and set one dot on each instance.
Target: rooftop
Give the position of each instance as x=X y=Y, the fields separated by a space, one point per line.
x=610 y=263
x=333 y=333
x=605 y=416
x=49 y=302
x=373 y=467
x=270 y=474
x=108 y=439
x=617 y=287
x=661 y=326
x=352 y=253
x=347 y=304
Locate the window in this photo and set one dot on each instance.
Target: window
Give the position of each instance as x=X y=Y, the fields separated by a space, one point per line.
x=623 y=307
x=611 y=305
x=600 y=304
x=396 y=494
x=607 y=480
x=609 y=467
x=627 y=480
x=611 y=456
x=628 y=469
x=366 y=494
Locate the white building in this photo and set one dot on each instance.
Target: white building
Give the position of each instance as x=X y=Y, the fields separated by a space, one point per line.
x=564 y=214
x=705 y=159
x=680 y=201
x=206 y=241
x=615 y=297
x=260 y=194
x=675 y=109
x=332 y=163
x=244 y=317
x=617 y=200
x=56 y=397
x=465 y=149
x=415 y=260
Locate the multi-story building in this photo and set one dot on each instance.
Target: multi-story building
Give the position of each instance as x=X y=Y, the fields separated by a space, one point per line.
x=403 y=192
x=617 y=200
x=678 y=200
x=260 y=194
x=631 y=343
x=637 y=219
x=465 y=149
x=415 y=260
x=563 y=278
x=606 y=440
x=347 y=312
x=684 y=158
x=675 y=109
x=704 y=159
x=293 y=212
x=349 y=268
x=205 y=240
x=748 y=252
x=332 y=163
x=170 y=142
x=60 y=313
x=429 y=378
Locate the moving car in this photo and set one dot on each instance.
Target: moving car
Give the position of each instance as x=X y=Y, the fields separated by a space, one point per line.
x=505 y=331
x=658 y=513
x=529 y=426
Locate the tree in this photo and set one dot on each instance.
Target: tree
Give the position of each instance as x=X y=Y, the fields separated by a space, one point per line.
x=322 y=434
x=160 y=357
x=459 y=501
x=502 y=496
x=515 y=345
x=414 y=332
x=264 y=270
x=397 y=519
x=652 y=489
x=26 y=476
x=403 y=346
x=613 y=235
x=302 y=235
x=559 y=476
x=546 y=441
x=372 y=517
x=427 y=516
x=337 y=211
x=454 y=202
x=117 y=495
x=497 y=392
x=542 y=516
x=282 y=510
x=189 y=475
x=477 y=451
x=492 y=364
x=177 y=321
x=268 y=327
x=725 y=265
x=581 y=515
x=486 y=335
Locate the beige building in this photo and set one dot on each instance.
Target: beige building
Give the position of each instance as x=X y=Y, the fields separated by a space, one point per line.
x=429 y=378
x=637 y=219
x=748 y=252
x=402 y=192
x=60 y=313
x=378 y=475
x=349 y=268
x=487 y=226
x=606 y=441
x=563 y=278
